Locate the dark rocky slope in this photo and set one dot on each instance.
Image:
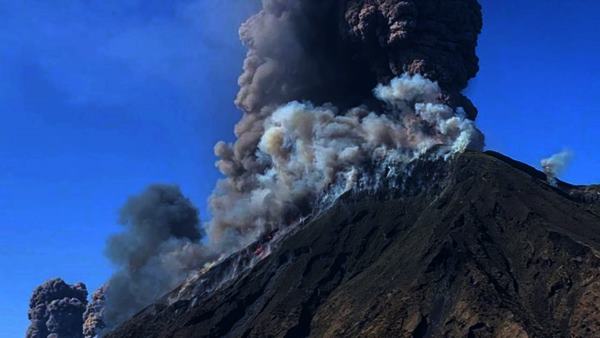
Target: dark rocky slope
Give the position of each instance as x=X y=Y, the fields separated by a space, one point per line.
x=487 y=249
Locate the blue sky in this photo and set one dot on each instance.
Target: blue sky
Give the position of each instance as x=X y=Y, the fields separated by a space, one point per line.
x=540 y=80
x=100 y=98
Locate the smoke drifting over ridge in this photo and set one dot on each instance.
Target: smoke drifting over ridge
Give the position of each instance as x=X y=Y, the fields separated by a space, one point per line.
x=556 y=164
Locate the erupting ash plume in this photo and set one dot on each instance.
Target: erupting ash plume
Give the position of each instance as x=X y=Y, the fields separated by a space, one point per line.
x=325 y=57
x=555 y=165
x=159 y=246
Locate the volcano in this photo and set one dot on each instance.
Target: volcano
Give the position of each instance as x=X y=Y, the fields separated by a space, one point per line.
x=478 y=246
x=355 y=201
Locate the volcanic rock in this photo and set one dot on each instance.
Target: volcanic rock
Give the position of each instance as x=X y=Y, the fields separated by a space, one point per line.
x=480 y=246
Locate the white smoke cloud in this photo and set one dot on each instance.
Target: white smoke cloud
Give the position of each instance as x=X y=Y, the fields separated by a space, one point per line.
x=554 y=165
x=312 y=152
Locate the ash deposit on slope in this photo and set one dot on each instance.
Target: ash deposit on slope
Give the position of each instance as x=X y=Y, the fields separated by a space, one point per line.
x=335 y=96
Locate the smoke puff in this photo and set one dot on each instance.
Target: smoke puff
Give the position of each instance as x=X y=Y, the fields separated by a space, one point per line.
x=156 y=251
x=93 y=317
x=57 y=308
x=159 y=214
x=556 y=164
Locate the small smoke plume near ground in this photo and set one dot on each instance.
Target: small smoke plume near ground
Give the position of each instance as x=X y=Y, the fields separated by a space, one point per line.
x=554 y=165
x=156 y=250
x=56 y=310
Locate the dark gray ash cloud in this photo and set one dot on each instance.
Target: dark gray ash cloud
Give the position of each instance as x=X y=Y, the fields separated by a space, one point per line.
x=159 y=245
x=56 y=310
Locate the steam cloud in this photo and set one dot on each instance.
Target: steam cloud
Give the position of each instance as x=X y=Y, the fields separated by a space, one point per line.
x=159 y=246
x=308 y=151
x=555 y=165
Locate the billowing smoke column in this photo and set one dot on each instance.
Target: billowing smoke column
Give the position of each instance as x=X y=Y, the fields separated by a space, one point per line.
x=56 y=310
x=159 y=246
x=555 y=165
x=326 y=57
